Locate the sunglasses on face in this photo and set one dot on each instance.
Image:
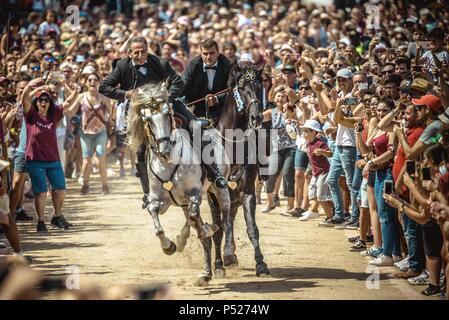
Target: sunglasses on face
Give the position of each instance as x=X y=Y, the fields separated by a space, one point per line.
x=49 y=59
x=41 y=100
x=339 y=66
x=36 y=68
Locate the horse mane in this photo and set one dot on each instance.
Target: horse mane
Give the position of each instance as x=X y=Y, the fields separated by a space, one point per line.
x=142 y=96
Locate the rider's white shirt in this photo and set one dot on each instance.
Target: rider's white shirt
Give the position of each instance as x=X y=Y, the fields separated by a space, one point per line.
x=210 y=75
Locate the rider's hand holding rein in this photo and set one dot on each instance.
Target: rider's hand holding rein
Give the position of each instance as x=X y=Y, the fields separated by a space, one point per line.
x=211 y=100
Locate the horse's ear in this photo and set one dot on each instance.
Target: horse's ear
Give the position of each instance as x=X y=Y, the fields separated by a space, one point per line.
x=165 y=84
x=236 y=66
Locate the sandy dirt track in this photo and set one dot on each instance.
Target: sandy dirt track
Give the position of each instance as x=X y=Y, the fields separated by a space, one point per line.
x=113 y=243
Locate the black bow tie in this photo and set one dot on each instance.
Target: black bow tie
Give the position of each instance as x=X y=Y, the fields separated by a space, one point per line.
x=211 y=68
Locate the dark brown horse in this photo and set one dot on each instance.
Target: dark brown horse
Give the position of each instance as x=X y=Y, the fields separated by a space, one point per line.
x=242 y=111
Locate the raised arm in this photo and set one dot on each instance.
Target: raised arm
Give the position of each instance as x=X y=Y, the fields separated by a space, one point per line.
x=324 y=102
x=72 y=103
x=411 y=153
x=29 y=91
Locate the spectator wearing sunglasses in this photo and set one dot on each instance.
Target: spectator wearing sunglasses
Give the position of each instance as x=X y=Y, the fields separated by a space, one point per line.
x=42 y=116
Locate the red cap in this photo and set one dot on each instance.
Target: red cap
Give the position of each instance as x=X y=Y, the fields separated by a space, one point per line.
x=430 y=101
x=42 y=92
x=2 y=78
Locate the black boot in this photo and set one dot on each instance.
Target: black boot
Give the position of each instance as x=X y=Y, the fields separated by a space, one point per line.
x=141 y=167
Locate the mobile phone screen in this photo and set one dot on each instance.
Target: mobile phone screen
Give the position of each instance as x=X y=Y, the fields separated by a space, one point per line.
x=411 y=168
x=426 y=173
x=388 y=187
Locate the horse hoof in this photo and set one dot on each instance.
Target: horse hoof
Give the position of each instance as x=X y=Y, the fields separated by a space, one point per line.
x=262 y=270
x=180 y=243
x=170 y=250
x=220 y=273
x=203 y=280
x=209 y=230
x=230 y=261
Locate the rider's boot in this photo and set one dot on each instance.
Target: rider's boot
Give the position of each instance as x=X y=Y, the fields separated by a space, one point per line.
x=212 y=172
x=141 y=167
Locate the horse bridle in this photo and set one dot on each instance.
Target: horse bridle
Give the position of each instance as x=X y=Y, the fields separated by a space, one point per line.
x=247 y=108
x=149 y=132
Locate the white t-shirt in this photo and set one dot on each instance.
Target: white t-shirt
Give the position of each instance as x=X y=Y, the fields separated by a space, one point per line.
x=345 y=136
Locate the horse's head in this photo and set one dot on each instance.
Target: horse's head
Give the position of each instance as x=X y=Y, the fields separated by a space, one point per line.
x=156 y=114
x=246 y=82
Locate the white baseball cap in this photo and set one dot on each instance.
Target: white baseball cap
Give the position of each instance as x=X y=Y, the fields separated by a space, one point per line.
x=312 y=125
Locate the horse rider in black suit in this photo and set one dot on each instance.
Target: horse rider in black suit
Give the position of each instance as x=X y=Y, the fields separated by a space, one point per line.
x=207 y=74
x=204 y=76
x=136 y=70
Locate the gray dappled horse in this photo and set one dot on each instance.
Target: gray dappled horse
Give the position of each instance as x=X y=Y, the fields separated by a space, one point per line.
x=174 y=172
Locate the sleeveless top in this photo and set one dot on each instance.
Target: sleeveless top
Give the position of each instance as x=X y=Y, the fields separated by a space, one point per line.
x=380 y=146
x=93 y=122
x=278 y=123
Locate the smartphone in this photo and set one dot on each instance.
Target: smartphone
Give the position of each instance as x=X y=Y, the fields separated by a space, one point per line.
x=333 y=46
x=426 y=174
x=411 y=167
x=79 y=58
x=425 y=44
x=388 y=186
x=378 y=35
x=351 y=101
x=370 y=81
x=363 y=86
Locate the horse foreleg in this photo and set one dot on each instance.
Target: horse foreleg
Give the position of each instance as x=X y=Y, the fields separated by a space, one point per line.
x=193 y=211
x=249 y=211
x=219 y=270
x=167 y=245
x=229 y=258
x=206 y=275
x=181 y=239
x=206 y=242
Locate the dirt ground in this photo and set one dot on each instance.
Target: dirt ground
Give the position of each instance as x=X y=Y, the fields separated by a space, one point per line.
x=113 y=243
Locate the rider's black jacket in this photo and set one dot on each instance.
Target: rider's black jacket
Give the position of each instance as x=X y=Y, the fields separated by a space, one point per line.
x=195 y=84
x=125 y=74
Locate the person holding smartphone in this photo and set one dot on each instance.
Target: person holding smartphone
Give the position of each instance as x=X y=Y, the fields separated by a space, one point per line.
x=412 y=231
x=380 y=144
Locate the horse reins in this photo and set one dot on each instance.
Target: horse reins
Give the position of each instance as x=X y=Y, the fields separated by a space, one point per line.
x=204 y=98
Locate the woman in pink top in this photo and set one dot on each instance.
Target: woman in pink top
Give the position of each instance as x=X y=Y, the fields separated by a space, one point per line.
x=96 y=110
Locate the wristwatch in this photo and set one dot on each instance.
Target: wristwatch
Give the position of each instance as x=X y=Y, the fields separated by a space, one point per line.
x=370 y=163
